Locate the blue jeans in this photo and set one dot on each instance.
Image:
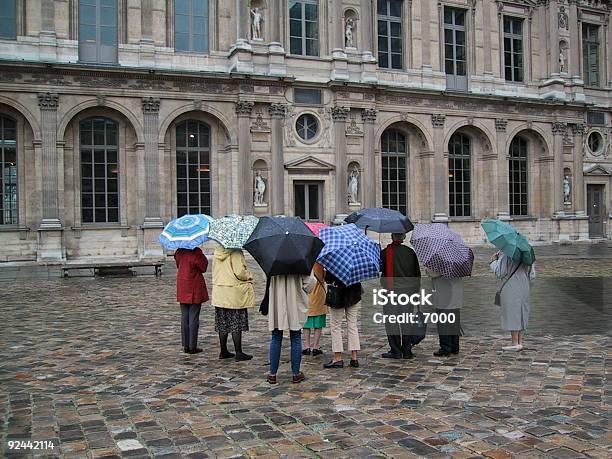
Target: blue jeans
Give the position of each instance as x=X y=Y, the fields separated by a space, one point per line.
x=296 y=350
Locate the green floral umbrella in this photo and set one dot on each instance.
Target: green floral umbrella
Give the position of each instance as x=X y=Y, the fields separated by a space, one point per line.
x=509 y=240
x=232 y=231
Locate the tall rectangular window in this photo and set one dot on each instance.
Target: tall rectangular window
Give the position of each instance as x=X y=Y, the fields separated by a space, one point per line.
x=98 y=31
x=460 y=176
x=517 y=169
x=455 y=58
x=8 y=19
x=304 y=27
x=8 y=171
x=590 y=54
x=514 y=65
x=390 y=34
x=99 y=170
x=191 y=26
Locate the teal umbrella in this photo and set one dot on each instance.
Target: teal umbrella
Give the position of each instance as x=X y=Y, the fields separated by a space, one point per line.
x=232 y=231
x=509 y=240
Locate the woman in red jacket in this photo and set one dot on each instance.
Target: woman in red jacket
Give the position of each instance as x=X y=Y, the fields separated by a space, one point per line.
x=191 y=292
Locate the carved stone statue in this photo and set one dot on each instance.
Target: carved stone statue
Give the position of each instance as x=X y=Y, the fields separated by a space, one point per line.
x=567 y=190
x=260 y=189
x=256 y=20
x=353 y=187
x=561 y=61
x=349 y=38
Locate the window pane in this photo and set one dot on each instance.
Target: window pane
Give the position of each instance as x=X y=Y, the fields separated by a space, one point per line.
x=395 y=8
x=8 y=19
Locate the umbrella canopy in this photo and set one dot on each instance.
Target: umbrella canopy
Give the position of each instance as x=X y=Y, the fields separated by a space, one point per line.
x=186 y=232
x=509 y=240
x=442 y=250
x=349 y=254
x=232 y=231
x=283 y=245
x=315 y=227
x=381 y=220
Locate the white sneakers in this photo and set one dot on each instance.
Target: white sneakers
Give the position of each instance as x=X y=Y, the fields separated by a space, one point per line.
x=513 y=348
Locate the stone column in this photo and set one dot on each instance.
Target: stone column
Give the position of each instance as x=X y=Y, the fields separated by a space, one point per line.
x=48 y=104
x=277 y=183
x=502 y=202
x=339 y=116
x=368 y=115
x=578 y=199
x=244 y=19
x=244 y=187
x=575 y=28
x=559 y=130
x=50 y=240
x=440 y=200
x=366 y=26
x=150 y=111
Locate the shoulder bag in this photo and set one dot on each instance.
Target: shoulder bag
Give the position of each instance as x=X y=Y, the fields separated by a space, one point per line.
x=498 y=293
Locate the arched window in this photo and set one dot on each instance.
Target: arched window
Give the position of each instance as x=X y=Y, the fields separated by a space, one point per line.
x=517 y=172
x=8 y=168
x=394 y=171
x=193 y=168
x=459 y=176
x=99 y=140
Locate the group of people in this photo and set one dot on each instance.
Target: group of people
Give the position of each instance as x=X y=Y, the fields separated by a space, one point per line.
x=296 y=303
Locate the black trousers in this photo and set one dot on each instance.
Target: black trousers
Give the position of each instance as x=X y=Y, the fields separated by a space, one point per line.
x=190 y=324
x=449 y=333
x=398 y=335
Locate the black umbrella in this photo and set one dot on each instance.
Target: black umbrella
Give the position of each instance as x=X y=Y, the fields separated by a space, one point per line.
x=283 y=245
x=381 y=220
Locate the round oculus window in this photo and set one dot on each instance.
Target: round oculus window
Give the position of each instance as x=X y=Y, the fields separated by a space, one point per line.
x=595 y=142
x=307 y=127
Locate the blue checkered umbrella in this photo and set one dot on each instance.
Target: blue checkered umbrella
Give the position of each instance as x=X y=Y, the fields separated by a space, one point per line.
x=186 y=232
x=349 y=254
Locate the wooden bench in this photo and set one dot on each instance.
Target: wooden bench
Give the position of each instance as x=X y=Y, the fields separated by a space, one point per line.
x=120 y=267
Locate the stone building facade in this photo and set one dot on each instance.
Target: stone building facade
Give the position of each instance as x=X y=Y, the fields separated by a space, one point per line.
x=118 y=115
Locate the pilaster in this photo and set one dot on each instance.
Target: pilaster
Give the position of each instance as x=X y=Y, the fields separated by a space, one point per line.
x=277 y=184
x=559 y=130
x=502 y=203
x=243 y=111
x=440 y=174
x=339 y=116
x=368 y=115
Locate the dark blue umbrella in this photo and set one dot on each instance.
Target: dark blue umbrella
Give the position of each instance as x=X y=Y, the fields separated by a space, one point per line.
x=381 y=220
x=283 y=245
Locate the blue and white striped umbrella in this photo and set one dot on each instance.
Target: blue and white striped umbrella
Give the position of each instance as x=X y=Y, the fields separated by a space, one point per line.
x=349 y=254
x=186 y=232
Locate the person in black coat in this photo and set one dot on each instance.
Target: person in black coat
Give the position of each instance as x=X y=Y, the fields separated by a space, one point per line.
x=400 y=274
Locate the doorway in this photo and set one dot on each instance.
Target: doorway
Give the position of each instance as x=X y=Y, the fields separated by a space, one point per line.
x=596 y=211
x=308 y=201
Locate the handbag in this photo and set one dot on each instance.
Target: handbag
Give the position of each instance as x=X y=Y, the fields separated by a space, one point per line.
x=334 y=297
x=498 y=293
x=419 y=329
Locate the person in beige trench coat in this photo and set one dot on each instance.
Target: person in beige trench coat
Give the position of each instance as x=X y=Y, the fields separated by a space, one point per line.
x=287 y=311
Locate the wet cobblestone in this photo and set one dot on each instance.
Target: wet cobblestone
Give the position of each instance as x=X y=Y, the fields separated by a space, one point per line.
x=95 y=366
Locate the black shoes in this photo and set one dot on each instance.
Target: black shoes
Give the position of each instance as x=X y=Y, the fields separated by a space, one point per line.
x=391 y=355
x=306 y=351
x=332 y=364
x=408 y=355
x=195 y=350
x=316 y=352
x=226 y=355
x=354 y=363
x=442 y=353
x=241 y=356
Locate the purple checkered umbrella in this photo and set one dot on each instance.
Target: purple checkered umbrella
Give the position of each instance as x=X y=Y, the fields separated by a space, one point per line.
x=441 y=250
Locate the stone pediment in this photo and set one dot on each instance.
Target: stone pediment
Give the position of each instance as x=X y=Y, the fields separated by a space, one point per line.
x=309 y=164
x=596 y=169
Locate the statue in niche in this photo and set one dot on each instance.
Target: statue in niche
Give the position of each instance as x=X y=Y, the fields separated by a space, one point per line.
x=567 y=190
x=561 y=61
x=256 y=20
x=349 y=36
x=260 y=189
x=353 y=186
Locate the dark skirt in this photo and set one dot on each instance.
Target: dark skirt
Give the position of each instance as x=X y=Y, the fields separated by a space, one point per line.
x=231 y=320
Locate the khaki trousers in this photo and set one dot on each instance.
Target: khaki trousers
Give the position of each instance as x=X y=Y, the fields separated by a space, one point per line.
x=336 y=315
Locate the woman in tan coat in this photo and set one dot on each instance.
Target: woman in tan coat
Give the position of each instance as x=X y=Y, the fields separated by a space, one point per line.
x=232 y=295
x=316 y=313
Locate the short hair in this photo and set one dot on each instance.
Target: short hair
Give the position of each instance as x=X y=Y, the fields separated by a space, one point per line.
x=398 y=236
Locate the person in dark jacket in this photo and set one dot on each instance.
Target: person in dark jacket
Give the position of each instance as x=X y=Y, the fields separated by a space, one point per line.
x=191 y=292
x=351 y=301
x=400 y=274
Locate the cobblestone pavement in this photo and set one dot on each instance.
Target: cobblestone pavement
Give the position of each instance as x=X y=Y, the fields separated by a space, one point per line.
x=94 y=366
